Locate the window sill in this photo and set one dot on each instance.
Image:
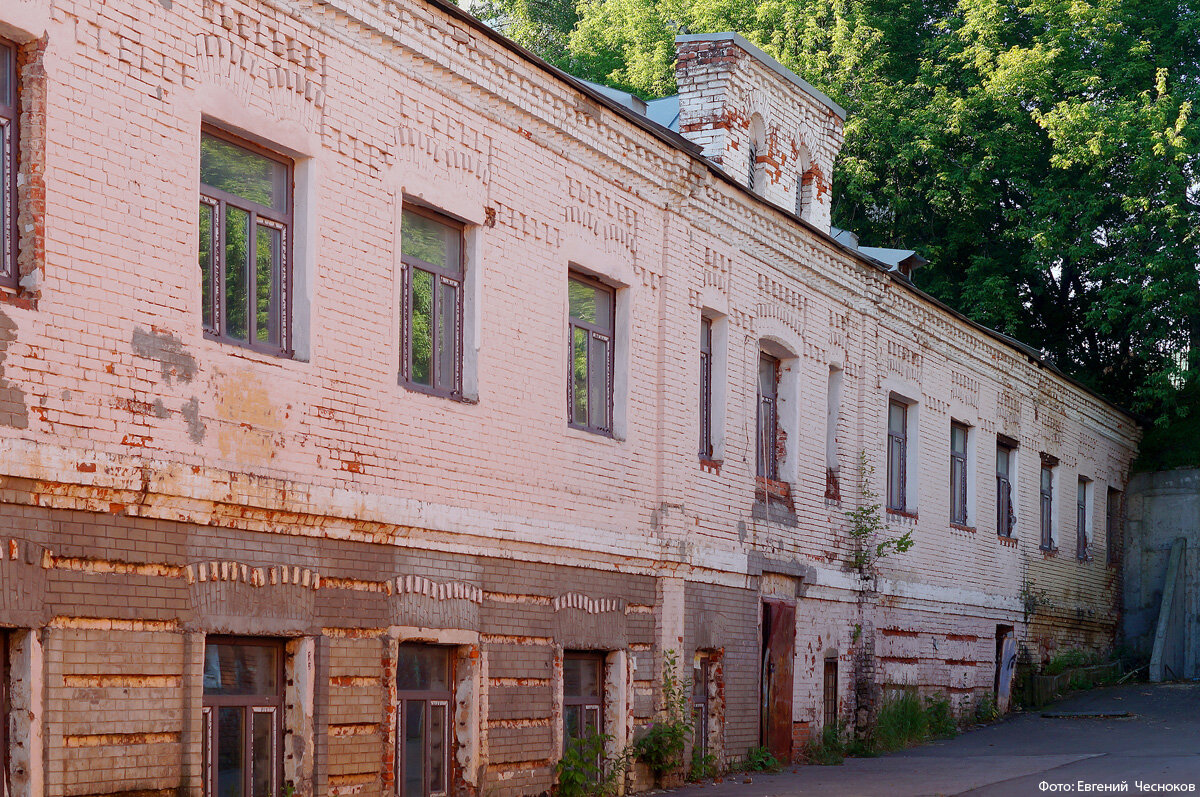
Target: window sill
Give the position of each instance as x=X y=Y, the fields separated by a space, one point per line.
x=584 y=433
x=711 y=465
x=416 y=387
x=900 y=513
x=1048 y=553
x=1010 y=541
x=17 y=298
x=773 y=488
x=962 y=527
x=242 y=348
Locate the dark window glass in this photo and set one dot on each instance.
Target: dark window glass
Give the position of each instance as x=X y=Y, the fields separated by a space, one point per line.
x=423 y=687
x=244 y=242
x=768 y=417
x=243 y=704
x=9 y=151
x=897 y=456
x=1006 y=520
x=958 y=474
x=431 y=248
x=1047 y=507
x=590 y=332
x=1113 y=526
x=706 y=443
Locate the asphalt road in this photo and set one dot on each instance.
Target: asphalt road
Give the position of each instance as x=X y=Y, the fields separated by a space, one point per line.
x=1026 y=754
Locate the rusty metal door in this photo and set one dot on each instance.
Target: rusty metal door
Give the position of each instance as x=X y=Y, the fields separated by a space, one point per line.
x=779 y=640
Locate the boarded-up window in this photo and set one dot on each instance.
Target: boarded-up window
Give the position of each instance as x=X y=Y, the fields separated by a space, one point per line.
x=706 y=388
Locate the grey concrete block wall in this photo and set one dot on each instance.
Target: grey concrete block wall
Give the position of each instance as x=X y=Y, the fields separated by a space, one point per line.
x=1160 y=508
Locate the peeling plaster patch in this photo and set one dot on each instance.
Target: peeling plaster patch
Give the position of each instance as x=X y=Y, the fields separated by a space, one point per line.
x=191 y=414
x=166 y=350
x=120 y=739
x=13 y=411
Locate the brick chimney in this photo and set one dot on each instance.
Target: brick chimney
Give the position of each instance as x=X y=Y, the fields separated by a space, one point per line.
x=764 y=125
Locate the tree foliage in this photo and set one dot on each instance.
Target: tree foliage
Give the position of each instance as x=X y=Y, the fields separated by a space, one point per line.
x=1043 y=154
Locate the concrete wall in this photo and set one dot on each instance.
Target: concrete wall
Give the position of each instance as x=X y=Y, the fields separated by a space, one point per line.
x=1163 y=506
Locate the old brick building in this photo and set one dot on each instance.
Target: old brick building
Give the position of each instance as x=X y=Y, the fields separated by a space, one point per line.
x=379 y=404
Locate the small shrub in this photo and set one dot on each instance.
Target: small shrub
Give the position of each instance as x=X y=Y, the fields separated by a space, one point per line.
x=661 y=746
x=759 y=759
x=827 y=749
x=1069 y=659
x=986 y=709
x=939 y=719
x=703 y=766
x=902 y=721
x=585 y=771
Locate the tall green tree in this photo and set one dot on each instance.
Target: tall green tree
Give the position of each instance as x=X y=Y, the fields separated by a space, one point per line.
x=1043 y=154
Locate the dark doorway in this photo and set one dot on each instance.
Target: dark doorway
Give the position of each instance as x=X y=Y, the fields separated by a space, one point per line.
x=1006 y=664
x=778 y=643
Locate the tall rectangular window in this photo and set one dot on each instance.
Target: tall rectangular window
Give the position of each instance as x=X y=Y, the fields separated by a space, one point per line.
x=706 y=389
x=833 y=411
x=423 y=720
x=702 y=669
x=590 y=336
x=583 y=695
x=9 y=273
x=243 y=707
x=245 y=242
x=831 y=693
x=1113 y=537
x=768 y=417
x=958 y=474
x=897 y=456
x=431 y=251
x=1081 y=520
x=1047 y=506
x=1006 y=519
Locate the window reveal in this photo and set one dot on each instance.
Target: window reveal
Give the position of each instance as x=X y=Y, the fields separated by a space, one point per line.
x=1081 y=515
x=245 y=220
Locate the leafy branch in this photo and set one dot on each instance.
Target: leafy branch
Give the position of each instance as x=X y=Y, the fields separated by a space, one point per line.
x=867 y=525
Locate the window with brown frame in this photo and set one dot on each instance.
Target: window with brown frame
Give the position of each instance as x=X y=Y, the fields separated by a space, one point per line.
x=706 y=389
x=768 y=417
x=9 y=152
x=1006 y=519
x=1047 y=506
x=958 y=474
x=424 y=678
x=583 y=695
x=897 y=456
x=431 y=249
x=243 y=724
x=1113 y=537
x=830 y=692
x=590 y=334
x=245 y=242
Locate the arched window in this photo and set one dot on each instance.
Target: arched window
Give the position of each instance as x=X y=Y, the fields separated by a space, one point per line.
x=757 y=144
x=805 y=180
